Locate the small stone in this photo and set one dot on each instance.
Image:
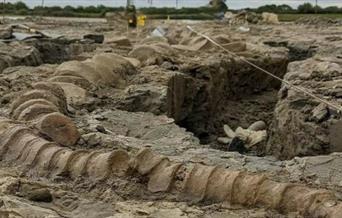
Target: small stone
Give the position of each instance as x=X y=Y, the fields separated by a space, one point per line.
x=257 y=126
x=320 y=113
x=40 y=195
x=100 y=118
x=101 y=129
x=164 y=213
x=81 y=141
x=235 y=46
x=311 y=175
x=142 y=212
x=330 y=203
x=6 y=32
x=150 y=204
x=167 y=65
x=224 y=140
x=119 y=41
x=97 y=38
x=92 y=139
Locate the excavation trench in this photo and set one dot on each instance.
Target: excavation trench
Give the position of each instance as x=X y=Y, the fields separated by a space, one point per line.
x=225 y=91
x=57 y=51
x=222 y=91
x=35 y=52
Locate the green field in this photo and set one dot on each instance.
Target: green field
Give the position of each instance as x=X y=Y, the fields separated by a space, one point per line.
x=294 y=17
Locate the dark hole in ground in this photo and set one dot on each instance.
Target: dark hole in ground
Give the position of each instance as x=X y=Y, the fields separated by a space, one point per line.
x=233 y=93
x=35 y=52
x=59 y=50
x=298 y=51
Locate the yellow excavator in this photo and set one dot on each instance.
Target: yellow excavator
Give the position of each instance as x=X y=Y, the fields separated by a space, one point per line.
x=131 y=14
x=121 y=17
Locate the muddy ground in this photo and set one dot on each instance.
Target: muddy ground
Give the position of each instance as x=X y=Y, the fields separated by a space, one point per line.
x=79 y=120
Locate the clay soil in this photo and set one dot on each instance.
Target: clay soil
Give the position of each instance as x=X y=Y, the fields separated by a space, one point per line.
x=170 y=94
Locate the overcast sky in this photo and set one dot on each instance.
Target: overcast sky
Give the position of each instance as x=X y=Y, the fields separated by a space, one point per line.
x=233 y=4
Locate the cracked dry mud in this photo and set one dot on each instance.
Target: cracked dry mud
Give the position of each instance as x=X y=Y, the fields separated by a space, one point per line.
x=129 y=128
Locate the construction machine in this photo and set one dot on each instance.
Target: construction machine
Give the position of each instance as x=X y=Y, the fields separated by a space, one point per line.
x=131 y=14
x=128 y=16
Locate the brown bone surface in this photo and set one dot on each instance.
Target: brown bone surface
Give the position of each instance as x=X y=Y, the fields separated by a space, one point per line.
x=20 y=147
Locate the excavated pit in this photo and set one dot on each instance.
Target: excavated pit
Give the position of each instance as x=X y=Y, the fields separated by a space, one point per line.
x=59 y=50
x=35 y=52
x=229 y=92
x=223 y=90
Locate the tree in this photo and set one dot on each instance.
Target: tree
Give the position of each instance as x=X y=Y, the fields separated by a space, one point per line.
x=20 y=6
x=220 y=5
x=332 y=9
x=90 y=9
x=318 y=9
x=275 y=8
x=267 y=8
x=284 y=8
x=69 y=8
x=306 y=8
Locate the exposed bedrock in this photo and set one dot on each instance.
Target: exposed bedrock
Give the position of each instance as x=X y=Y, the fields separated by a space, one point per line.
x=303 y=125
x=192 y=182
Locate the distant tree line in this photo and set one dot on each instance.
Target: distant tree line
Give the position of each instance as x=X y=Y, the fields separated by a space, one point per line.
x=20 y=8
x=306 y=8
